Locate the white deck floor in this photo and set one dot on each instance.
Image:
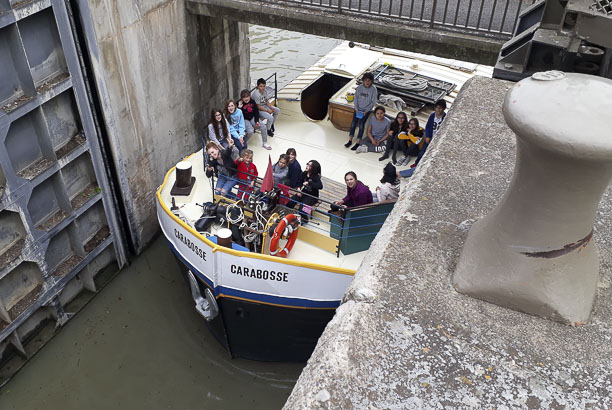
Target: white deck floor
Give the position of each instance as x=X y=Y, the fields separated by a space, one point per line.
x=321 y=141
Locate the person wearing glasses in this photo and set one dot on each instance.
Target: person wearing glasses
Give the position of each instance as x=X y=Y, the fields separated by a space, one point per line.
x=219 y=132
x=308 y=192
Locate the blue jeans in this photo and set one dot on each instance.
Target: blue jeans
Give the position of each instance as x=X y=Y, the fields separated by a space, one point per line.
x=407 y=173
x=362 y=122
x=239 y=145
x=224 y=184
x=421 y=153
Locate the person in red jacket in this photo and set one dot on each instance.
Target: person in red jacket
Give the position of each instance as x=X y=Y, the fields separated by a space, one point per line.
x=247 y=174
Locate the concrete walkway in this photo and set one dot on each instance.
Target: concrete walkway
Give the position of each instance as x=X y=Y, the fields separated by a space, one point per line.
x=403 y=338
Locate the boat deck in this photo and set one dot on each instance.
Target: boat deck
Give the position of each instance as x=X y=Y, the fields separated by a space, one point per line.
x=320 y=140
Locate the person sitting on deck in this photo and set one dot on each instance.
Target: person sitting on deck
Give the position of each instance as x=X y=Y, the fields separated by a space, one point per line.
x=247 y=174
x=433 y=124
x=218 y=132
x=399 y=125
x=390 y=188
x=295 y=170
x=280 y=169
x=221 y=164
x=308 y=192
x=365 y=98
x=237 y=129
x=411 y=142
x=267 y=111
x=251 y=117
x=357 y=193
x=378 y=132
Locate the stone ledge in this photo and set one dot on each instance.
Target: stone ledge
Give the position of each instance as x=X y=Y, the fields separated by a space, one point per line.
x=404 y=338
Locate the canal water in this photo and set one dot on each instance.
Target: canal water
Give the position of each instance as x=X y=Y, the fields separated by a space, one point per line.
x=139 y=344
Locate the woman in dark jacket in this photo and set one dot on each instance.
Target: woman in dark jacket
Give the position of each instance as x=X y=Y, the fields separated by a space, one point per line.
x=309 y=186
x=223 y=166
x=356 y=192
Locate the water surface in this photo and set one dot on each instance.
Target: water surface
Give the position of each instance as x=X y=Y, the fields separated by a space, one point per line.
x=140 y=344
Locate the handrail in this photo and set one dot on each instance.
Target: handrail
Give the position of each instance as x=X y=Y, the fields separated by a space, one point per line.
x=275 y=86
x=497 y=18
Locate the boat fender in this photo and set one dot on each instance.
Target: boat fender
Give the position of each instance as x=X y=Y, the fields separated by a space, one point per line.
x=287 y=227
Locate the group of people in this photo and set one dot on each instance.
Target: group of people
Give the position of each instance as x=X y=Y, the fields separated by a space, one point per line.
x=287 y=174
x=229 y=128
x=382 y=135
x=230 y=160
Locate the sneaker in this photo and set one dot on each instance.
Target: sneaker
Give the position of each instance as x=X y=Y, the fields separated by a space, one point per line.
x=402 y=160
x=348 y=144
x=357 y=144
x=267 y=146
x=384 y=157
x=270 y=133
x=361 y=148
x=413 y=165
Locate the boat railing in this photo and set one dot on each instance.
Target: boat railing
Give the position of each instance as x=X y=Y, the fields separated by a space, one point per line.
x=496 y=19
x=353 y=228
x=275 y=88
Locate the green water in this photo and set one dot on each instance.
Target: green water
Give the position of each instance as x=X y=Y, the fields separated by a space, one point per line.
x=139 y=344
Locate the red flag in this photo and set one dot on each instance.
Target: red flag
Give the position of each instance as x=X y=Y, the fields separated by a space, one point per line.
x=268 y=182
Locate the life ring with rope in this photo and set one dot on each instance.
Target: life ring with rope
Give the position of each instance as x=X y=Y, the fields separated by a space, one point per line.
x=288 y=226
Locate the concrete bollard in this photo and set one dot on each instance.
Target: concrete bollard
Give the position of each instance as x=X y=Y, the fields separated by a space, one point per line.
x=535 y=251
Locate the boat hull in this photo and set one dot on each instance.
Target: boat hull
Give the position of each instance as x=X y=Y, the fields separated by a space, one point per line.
x=264 y=332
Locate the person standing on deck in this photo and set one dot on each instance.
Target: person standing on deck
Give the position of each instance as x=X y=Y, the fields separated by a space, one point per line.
x=295 y=170
x=266 y=110
x=366 y=95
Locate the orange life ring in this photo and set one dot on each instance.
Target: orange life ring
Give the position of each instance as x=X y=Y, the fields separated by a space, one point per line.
x=289 y=222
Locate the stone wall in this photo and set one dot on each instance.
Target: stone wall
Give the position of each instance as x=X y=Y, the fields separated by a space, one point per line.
x=159 y=71
x=404 y=338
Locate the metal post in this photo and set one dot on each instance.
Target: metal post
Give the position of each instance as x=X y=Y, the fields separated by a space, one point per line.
x=433 y=13
x=535 y=251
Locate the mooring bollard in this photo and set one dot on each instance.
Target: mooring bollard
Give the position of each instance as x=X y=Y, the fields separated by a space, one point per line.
x=535 y=251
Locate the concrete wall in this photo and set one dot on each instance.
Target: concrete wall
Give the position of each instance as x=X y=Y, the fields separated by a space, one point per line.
x=351 y=25
x=403 y=338
x=159 y=70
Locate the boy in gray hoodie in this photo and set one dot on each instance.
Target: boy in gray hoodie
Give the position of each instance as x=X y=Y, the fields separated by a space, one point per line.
x=365 y=98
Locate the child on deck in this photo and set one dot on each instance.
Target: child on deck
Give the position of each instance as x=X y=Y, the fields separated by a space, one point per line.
x=280 y=169
x=251 y=117
x=237 y=129
x=295 y=169
x=365 y=98
x=433 y=124
x=390 y=188
x=218 y=132
x=378 y=132
x=247 y=174
x=266 y=110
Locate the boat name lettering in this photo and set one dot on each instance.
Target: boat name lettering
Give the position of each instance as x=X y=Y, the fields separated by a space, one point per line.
x=260 y=273
x=191 y=245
